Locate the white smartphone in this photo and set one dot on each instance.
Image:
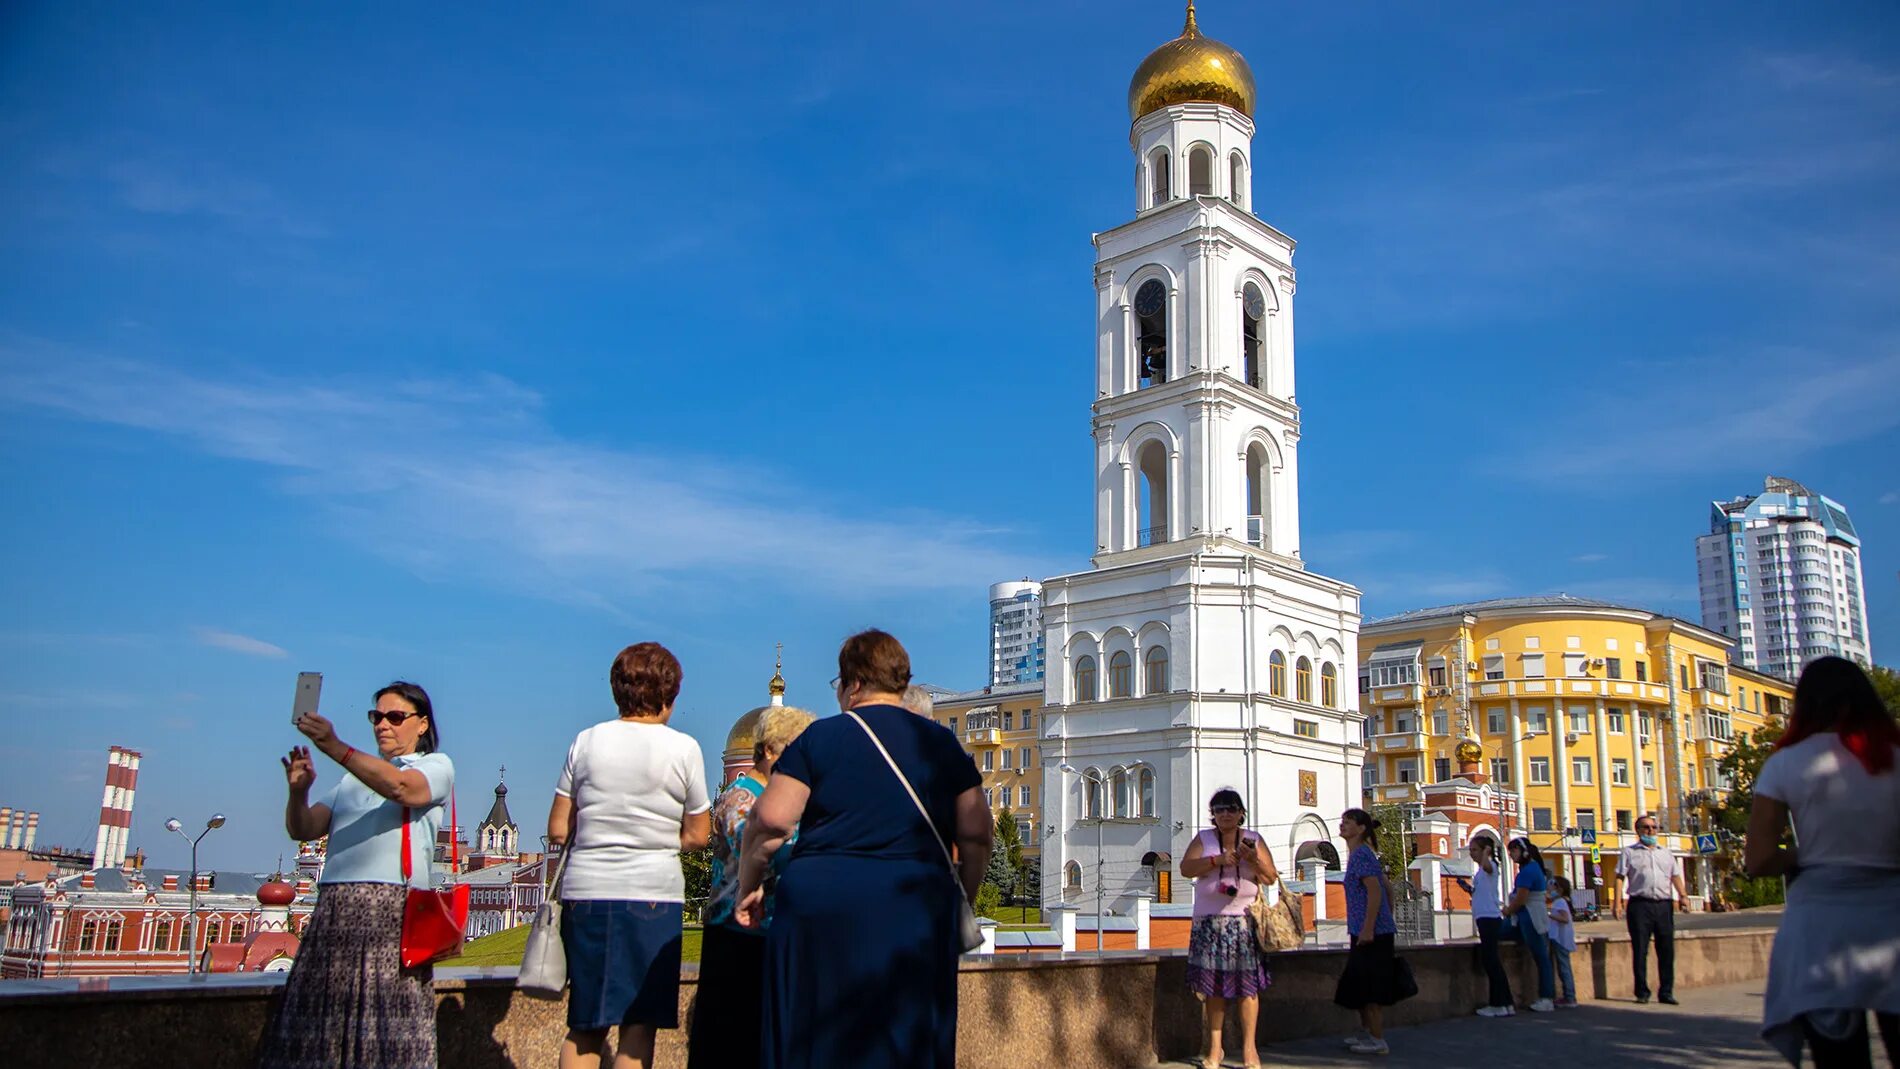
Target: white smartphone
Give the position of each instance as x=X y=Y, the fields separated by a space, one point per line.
x=309 y=687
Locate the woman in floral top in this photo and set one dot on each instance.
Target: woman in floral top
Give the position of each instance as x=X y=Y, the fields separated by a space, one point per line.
x=1370 y=982
x=725 y=1030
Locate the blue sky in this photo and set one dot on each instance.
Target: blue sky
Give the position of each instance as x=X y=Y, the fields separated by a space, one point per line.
x=469 y=348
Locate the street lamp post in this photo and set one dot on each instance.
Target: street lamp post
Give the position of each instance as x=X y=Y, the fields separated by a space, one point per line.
x=173 y=825
x=1101 y=798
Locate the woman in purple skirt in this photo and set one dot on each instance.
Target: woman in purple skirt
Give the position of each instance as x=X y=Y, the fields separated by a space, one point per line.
x=1229 y=866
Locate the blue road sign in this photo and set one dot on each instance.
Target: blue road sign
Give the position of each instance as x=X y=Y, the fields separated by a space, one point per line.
x=1705 y=844
x=1589 y=836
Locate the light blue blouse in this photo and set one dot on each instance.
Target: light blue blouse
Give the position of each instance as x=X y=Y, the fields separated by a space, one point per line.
x=366 y=828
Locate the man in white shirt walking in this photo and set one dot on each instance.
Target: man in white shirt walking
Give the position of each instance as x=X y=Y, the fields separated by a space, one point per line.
x=1651 y=875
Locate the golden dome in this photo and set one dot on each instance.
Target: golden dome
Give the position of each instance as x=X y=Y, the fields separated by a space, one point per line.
x=1191 y=68
x=745 y=731
x=1470 y=752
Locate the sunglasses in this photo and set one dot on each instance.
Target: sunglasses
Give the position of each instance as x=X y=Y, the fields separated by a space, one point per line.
x=394 y=719
x=1217 y=810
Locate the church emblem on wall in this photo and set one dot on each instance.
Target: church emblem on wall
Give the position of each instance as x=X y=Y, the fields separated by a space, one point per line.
x=1309 y=788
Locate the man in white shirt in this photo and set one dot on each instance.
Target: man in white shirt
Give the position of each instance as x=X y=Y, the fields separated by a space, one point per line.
x=1651 y=875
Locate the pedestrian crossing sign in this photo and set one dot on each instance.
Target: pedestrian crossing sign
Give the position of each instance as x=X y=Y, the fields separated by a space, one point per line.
x=1596 y=855
x=1589 y=836
x=1705 y=844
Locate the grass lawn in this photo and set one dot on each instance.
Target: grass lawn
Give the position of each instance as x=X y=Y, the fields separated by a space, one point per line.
x=505 y=948
x=1010 y=918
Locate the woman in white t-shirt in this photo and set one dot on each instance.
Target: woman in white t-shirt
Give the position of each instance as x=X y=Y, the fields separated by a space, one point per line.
x=630 y=798
x=1488 y=918
x=1837 y=952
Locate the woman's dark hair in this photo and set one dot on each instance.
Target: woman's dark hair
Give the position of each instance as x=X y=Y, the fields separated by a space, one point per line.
x=1561 y=884
x=1532 y=856
x=1367 y=821
x=646 y=679
x=1834 y=694
x=874 y=660
x=1489 y=844
x=418 y=698
x=1227 y=796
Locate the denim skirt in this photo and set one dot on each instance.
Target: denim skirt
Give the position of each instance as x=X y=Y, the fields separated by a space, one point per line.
x=623 y=963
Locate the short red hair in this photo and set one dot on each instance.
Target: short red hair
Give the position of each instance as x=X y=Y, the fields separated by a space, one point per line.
x=646 y=679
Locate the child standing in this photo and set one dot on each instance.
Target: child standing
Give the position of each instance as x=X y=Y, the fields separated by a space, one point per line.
x=1563 y=938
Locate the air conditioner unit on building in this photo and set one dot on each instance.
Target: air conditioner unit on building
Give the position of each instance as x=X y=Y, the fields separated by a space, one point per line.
x=1471 y=666
x=1570 y=739
x=1598 y=663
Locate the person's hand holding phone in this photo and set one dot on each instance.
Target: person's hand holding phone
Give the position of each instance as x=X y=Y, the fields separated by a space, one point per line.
x=317 y=728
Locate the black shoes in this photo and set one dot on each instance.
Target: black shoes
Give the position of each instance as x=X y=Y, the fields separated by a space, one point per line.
x=1642 y=1000
x=1668 y=1000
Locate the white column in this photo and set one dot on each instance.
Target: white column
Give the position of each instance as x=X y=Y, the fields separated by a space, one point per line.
x=1065 y=926
x=1144 y=902
x=1634 y=726
x=1606 y=814
x=988 y=928
x=1560 y=757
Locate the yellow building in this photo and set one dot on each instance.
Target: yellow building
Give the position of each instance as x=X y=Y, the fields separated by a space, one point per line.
x=1594 y=713
x=997 y=725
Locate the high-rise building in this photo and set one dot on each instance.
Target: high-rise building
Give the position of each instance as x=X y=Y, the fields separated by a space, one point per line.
x=1016 y=649
x=1161 y=688
x=1780 y=574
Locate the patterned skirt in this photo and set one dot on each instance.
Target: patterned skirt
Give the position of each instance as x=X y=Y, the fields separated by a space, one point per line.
x=349 y=1003
x=1223 y=959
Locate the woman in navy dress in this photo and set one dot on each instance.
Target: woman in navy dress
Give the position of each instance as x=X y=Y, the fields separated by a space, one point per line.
x=861 y=956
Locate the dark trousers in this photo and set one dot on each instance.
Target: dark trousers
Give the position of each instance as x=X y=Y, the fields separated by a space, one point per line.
x=1855 y=1051
x=1493 y=959
x=1653 y=917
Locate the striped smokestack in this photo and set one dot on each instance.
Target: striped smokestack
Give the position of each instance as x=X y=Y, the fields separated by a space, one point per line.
x=16 y=829
x=32 y=830
x=6 y=827
x=115 y=808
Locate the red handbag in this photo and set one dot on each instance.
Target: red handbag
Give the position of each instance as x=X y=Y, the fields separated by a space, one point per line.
x=433 y=921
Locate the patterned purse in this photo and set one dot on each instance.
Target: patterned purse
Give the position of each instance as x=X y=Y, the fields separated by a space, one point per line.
x=1279 y=926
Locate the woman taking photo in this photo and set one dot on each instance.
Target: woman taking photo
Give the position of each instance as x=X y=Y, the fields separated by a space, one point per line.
x=725 y=1033
x=349 y=1002
x=631 y=796
x=861 y=957
x=1370 y=982
x=1229 y=866
x=1527 y=919
x=1837 y=953
x=1488 y=917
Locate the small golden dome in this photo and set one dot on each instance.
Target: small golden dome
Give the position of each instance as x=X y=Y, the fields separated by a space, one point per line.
x=1469 y=752
x=1191 y=68
x=745 y=731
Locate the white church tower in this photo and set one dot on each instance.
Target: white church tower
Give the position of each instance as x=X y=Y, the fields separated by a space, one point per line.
x=1198 y=652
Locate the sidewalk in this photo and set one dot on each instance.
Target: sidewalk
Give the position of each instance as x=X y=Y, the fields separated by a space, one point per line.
x=1714 y=1026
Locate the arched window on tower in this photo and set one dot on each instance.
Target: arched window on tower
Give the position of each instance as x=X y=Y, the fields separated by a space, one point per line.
x=1328 y=685
x=1155 y=671
x=1303 y=680
x=1151 y=506
x=1085 y=679
x=1200 y=172
x=1145 y=785
x=1276 y=674
x=1237 y=180
x=1258 y=496
x=1072 y=876
x=1092 y=794
x=1120 y=674
x=1158 y=178
x=1253 y=334
x=1118 y=793
x=1151 y=333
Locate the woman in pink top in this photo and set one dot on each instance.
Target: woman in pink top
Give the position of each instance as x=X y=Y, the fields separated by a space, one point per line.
x=1229 y=866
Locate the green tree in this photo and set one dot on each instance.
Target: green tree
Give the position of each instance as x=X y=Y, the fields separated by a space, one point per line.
x=1395 y=846
x=1741 y=764
x=697 y=866
x=1887 y=684
x=1009 y=839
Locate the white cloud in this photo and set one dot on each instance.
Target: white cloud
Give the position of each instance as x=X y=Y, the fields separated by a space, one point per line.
x=462 y=478
x=1590 y=558
x=236 y=643
x=1891 y=497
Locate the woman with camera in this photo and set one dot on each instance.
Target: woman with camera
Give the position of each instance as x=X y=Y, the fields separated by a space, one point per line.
x=1229 y=866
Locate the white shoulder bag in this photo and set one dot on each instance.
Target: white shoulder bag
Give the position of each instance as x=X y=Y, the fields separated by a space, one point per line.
x=968 y=934
x=544 y=961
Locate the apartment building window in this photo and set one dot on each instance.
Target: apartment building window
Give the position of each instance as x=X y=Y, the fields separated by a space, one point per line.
x=1539 y=719
x=1025 y=829
x=1716 y=724
x=1306 y=729
x=1408 y=770
x=1437 y=675
x=1683 y=671
x=1539 y=771
x=1579 y=721
x=1441 y=723
x=1369 y=728
x=1617 y=724
x=1576 y=664
x=1625 y=820
x=1028 y=718
x=1714 y=676
x=1009 y=759
x=1402 y=722
x=1494 y=666
x=1533 y=666
x=989 y=760
x=953 y=725
x=1580 y=770
x=1613 y=667
x=1494 y=721
x=1024 y=796
x=1540 y=819
x=1642 y=671
x=989 y=797
x=1645 y=727
x=1501 y=771
x=1619 y=772
x=1365 y=681
x=1441 y=769
x=1369 y=776
x=1022 y=759
x=1649 y=774
x=1587 y=818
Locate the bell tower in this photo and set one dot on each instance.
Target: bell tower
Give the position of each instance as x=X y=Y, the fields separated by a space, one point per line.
x=1198 y=651
x=1196 y=429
